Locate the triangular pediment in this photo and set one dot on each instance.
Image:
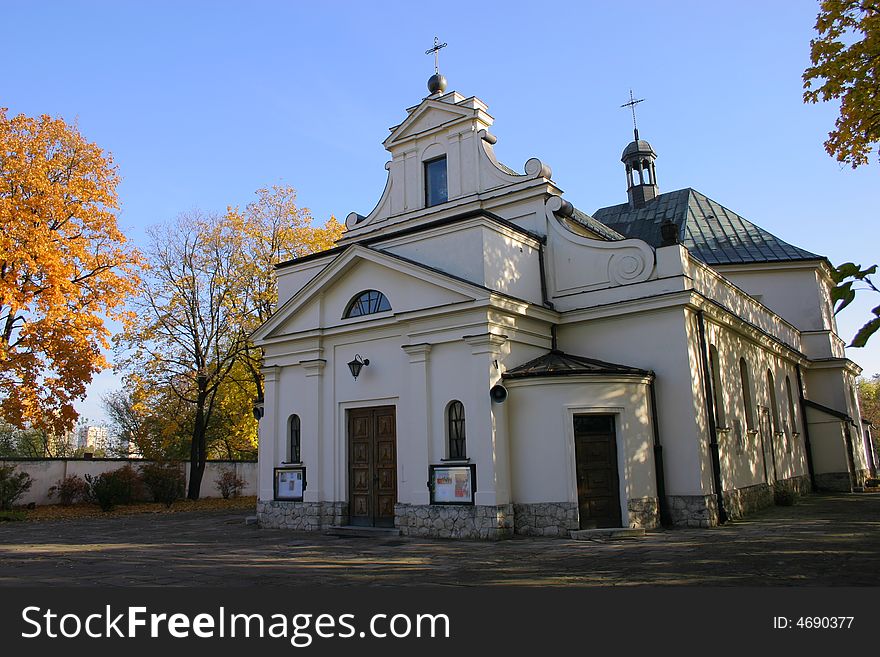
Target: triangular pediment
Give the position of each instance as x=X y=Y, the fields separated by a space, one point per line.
x=430 y=115
x=409 y=287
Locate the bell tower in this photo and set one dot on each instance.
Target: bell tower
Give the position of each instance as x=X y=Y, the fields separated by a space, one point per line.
x=638 y=158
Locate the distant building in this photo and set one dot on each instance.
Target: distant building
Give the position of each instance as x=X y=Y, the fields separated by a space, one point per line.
x=92 y=438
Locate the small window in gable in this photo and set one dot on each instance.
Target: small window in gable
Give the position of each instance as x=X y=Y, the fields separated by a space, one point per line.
x=366 y=303
x=436 y=190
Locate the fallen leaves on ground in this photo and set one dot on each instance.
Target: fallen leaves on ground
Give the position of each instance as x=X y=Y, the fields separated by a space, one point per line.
x=77 y=511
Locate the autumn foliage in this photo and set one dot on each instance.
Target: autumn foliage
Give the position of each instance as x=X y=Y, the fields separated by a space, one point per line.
x=845 y=61
x=64 y=268
x=193 y=375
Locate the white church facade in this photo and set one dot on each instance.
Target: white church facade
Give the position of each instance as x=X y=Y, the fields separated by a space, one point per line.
x=476 y=357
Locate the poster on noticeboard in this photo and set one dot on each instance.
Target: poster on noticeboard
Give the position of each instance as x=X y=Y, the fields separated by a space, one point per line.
x=290 y=484
x=453 y=484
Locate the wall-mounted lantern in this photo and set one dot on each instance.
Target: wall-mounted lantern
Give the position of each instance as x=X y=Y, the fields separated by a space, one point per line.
x=258 y=408
x=357 y=364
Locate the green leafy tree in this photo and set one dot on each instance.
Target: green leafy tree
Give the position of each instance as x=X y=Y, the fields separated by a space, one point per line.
x=845 y=61
x=846 y=277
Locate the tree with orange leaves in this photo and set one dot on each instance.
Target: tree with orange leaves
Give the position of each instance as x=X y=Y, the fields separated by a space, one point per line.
x=64 y=268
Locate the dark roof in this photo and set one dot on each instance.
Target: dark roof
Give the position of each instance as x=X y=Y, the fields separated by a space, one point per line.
x=711 y=232
x=640 y=147
x=557 y=363
x=597 y=227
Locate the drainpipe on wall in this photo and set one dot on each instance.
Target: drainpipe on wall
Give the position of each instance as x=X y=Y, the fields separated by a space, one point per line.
x=807 y=444
x=662 y=502
x=710 y=417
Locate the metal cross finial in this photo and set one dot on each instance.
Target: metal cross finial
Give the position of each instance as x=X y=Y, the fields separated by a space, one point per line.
x=632 y=105
x=436 y=51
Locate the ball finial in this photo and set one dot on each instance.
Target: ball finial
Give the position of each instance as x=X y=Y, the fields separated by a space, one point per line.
x=437 y=84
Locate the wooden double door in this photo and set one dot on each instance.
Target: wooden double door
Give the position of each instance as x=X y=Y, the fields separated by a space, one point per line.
x=598 y=482
x=372 y=466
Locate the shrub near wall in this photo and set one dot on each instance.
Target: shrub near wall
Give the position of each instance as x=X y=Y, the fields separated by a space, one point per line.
x=165 y=481
x=12 y=486
x=48 y=473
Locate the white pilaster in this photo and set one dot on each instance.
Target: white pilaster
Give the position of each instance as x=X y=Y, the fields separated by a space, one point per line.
x=487 y=422
x=269 y=441
x=419 y=413
x=311 y=434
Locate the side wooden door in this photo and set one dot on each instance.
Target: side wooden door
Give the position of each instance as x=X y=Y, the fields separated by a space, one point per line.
x=598 y=482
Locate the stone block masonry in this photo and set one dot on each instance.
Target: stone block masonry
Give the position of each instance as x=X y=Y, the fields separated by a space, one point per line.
x=441 y=521
x=545 y=519
x=644 y=512
x=304 y=516
x=693 y=510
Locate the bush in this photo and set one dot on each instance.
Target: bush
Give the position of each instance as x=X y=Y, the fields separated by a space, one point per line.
x=109 y=489
x=70 y=490
x=165 y=481
x=12 y=516
x=12 y=486
x=229 y=484
x=132 y=484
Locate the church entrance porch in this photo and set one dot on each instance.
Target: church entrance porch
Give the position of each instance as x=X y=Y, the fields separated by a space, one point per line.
x=372 y=466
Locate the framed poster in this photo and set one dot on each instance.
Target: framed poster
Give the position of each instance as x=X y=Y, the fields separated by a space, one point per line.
x=290 y=482
x=452 y=484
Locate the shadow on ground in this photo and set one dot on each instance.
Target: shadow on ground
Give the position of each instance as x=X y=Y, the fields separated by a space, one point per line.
x=825 y=540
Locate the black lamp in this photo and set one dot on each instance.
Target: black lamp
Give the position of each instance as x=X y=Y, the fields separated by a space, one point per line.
x=357 y=364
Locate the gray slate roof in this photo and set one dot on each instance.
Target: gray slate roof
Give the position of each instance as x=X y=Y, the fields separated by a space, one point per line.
x=711 y=232
x=596 y=226
x=557 y=363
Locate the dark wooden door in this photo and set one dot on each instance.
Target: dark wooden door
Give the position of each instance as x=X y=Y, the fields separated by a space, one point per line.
x=372 y=463
x=598 y=483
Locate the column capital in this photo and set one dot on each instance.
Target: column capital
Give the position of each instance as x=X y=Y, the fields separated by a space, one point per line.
x=270 y=373
x=313 y=366
x=418 y=353
x=485 y=343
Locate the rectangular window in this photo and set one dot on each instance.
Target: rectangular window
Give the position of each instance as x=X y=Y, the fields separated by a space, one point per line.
x=435 y=182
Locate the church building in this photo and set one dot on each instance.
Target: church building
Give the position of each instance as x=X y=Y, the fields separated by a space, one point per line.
x=478 y=358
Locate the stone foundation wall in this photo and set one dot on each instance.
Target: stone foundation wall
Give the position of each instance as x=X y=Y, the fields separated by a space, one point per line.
x=442 y=521
x=797 y=485
x=693 y=510
x=644 y=512
x=304 y=516
x=545 y=518
x=740 y=502
x=834 y=481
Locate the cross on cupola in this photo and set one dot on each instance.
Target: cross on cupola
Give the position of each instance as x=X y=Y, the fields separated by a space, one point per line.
x=638 y=158
x=437 y=82
x=632 y=105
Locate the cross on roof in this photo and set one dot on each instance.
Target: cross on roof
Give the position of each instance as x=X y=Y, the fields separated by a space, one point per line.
x=632 y=105
x=436 y=51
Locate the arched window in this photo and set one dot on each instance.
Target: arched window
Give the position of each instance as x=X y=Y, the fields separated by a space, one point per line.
x=456 y=430
x=745 y=381
x=293 y=440
x=774 y=406
x=717 y=390
x=366 y=303
x=791 y=415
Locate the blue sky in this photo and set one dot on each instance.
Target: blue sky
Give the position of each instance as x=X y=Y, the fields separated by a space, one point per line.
x=202 y=103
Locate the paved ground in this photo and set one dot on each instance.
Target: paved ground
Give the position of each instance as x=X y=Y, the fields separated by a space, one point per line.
x=824 y=540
